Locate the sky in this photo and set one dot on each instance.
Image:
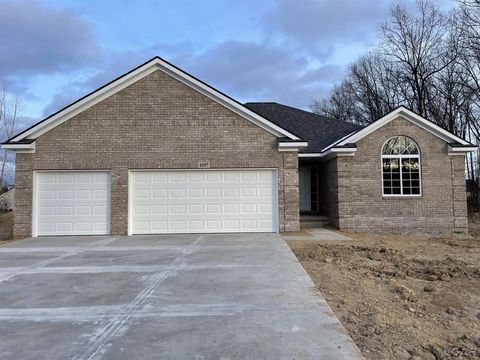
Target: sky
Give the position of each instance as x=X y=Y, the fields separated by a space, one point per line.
x=289 y=51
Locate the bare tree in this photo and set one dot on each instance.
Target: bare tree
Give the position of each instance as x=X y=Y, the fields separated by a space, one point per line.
x=9 y=112
x=417 y=45
x=368 y=92
x=416 y=64
x=341 y=105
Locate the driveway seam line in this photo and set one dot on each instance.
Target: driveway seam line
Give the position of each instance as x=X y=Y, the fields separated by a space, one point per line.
x=119 y=323
x=42 y=263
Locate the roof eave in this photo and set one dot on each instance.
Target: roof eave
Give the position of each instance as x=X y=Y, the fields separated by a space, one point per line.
x=332 y=152
x=19 y=147
x=457 y=149
x=292 y=145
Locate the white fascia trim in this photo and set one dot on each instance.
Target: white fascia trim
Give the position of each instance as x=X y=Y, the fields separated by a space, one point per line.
x=86 y=103
x=411 y=116
x=292 y=145
x=224 y=100
x=461 y=150
x=338 y=141
x=341 y=152
x=310 y=155
x=337 y=150
x=330 y=152
x=20 y=148
x=141 y=72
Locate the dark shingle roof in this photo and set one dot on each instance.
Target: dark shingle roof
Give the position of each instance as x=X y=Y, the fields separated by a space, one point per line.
x=318 y=130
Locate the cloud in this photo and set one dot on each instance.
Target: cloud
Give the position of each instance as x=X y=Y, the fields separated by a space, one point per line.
x=36 y=38
x=320 y=25
x=259 y=72
x=114 y=65
x=244 y=70
x=291 y=63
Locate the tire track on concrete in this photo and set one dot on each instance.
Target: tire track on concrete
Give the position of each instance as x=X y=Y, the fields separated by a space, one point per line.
x=42 y=263
x=99 y=341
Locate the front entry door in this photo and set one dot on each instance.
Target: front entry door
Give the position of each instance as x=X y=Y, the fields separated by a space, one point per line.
x=305 y=189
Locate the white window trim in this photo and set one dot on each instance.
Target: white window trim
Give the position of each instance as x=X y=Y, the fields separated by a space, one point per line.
x=400 y=157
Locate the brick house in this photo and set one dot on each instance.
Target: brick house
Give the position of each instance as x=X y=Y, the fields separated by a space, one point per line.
x=159 y=151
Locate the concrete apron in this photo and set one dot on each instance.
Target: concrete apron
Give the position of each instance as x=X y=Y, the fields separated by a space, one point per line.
x=317 y=234
x=236 y=296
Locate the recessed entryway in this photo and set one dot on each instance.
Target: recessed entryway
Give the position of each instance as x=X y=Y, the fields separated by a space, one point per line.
x=304 y=185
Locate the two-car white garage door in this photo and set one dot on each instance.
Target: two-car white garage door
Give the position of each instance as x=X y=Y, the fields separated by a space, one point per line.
x=209 y=201
x=194 y=201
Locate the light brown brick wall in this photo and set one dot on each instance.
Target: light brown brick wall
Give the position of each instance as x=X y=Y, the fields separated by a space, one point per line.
x=442 y=206
x=156 y=123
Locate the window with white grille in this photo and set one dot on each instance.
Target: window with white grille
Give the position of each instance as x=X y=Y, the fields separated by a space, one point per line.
x=401 y=174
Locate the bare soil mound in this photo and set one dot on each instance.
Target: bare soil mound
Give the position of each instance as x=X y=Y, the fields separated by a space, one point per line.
x=401 y=297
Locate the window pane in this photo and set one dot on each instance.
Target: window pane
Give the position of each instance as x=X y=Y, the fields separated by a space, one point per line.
x=391 y=175
x=400 y=145
x=411 y=176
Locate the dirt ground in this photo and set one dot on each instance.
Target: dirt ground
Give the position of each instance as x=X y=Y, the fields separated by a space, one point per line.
x=402 y=297
x=6 y=226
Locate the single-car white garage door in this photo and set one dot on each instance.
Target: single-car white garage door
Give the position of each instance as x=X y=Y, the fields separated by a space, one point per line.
x=203 y=201
x=72 y=203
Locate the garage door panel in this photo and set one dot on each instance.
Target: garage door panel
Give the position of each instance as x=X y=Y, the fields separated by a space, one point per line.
x=203 y=201
x=72 y=203
x=157 y=226
x=65 y=178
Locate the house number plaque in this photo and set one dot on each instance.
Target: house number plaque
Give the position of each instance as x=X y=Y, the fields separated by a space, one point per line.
x=204 y=164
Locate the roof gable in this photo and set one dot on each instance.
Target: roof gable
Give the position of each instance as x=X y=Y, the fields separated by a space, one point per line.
x=345 y=146
x=410 y=116
x=155 y=64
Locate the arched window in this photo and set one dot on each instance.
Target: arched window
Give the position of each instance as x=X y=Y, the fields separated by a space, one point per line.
x=401 y=167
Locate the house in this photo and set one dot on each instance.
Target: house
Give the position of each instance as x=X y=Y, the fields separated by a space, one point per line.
x=159 y=151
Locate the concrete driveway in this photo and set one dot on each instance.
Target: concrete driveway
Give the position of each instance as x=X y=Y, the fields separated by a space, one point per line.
x=163 y=297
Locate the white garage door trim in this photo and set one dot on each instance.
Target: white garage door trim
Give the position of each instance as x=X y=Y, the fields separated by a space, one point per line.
x=275 y=185
x=35 y=202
